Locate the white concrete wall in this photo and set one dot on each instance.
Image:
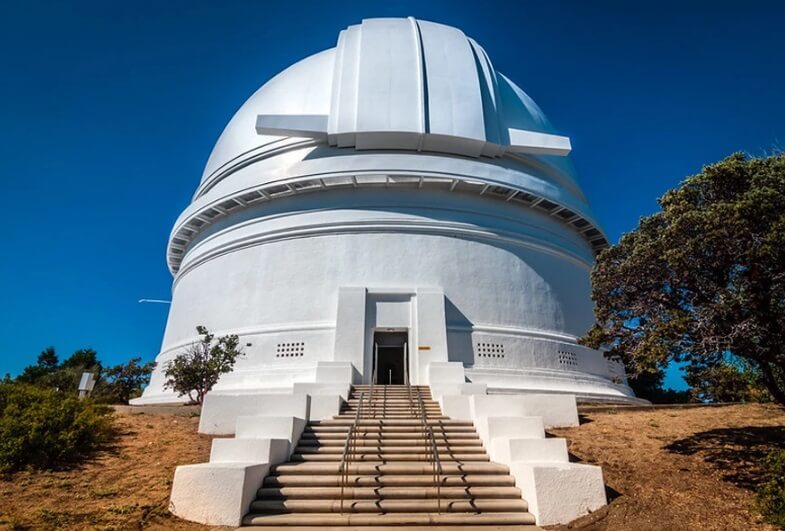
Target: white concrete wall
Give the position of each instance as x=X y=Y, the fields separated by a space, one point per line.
x=530 y=302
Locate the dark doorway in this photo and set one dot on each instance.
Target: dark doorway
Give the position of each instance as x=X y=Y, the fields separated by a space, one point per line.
x=390 y=357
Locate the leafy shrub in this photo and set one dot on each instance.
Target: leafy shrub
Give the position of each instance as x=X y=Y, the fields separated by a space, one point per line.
x=195 y=371
x=44 y=428
x=771 y=495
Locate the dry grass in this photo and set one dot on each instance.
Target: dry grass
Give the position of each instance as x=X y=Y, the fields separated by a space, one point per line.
x=124 y=486
x=670 y=469
x=677 y=469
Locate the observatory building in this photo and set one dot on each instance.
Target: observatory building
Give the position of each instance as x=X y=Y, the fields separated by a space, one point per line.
x=391 y=203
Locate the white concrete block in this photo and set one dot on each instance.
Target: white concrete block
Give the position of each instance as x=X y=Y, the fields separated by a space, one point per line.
x=221 y=410
x=491 y=428
x=325 y=406
x=442 y=389
x=272 y=451
x=559 y=493
x=556 y=410
x=334 y=371
x=216 y=493
x=456 y=407
x=498 y=406
x=289 y=428
x=506 y=450
x=322 y=388
x=446 y=372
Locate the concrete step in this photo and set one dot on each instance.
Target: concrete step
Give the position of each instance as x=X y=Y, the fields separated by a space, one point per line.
x=396 y=519
x=376 y=400
x=448 y=505
x=387 y=449
x=388 y=493
x=464 y=480
x=397 y=393
x=392 y=422
x=367 y=412
x=390 y=417
x=364 y=433
x=387 y=428
x=377 y=442
x=403 y=468
x=397 y=402
x=389 y=404
x=421 y=457
x=390 y=481
x=429 y=527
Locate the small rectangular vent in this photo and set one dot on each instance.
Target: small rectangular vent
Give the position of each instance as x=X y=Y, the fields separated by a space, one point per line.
x=567 y=358
x=276 y=190
x=490 y=350
x=290 y=350
x=250 y=197
x=546 y=205
x=580 y=223
x=304 y=185
x=566 y=214
x=499 y=190
x=523 y=197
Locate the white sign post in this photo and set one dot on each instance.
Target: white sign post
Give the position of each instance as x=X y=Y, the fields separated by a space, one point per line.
x=86 y=384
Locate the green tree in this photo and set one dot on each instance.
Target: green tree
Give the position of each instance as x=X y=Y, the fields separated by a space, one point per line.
x=48 y=359
x=123 y=382
x=732 y=380
x=650 y=385
x=703 y=278
x=195 y=371
x=41 y=372
x=66 y=377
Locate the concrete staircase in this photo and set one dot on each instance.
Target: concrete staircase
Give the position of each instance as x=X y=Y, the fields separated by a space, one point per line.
x=389 y=479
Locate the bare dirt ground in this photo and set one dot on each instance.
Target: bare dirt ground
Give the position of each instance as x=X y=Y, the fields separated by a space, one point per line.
x=667 y=469
x=678 y=469
x=125 y=486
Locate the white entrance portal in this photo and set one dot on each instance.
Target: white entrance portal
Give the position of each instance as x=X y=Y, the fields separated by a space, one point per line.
x=362 y=313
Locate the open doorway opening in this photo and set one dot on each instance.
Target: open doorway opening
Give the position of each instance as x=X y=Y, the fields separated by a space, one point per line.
x=390 y=357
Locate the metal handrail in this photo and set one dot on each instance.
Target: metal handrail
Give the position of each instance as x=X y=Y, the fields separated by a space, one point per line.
x=436 y=464
x=373 y=375
x=349 y=448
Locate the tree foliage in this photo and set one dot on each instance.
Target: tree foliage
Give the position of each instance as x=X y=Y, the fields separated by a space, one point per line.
x=732 y=380
x=771 y=493
x=702 y=279
x=649 y=385
x=196 y=370
x=44 y=428
x=116 y=384
x=123 y=382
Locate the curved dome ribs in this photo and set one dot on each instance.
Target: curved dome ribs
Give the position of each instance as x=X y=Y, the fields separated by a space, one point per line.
x=420 y=86
x=396 y=86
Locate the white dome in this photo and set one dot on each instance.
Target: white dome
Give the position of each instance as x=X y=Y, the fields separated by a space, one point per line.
x=394 y=182
x=392 y=76
x=400 y=86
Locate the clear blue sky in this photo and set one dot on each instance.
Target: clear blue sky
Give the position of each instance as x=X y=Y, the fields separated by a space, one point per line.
x=108 y=112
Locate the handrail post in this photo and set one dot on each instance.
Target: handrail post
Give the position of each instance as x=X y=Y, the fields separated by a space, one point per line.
x=349 y=448
x=373 y=374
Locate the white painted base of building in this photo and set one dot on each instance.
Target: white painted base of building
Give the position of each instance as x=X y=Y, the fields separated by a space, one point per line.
x=268 y=426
